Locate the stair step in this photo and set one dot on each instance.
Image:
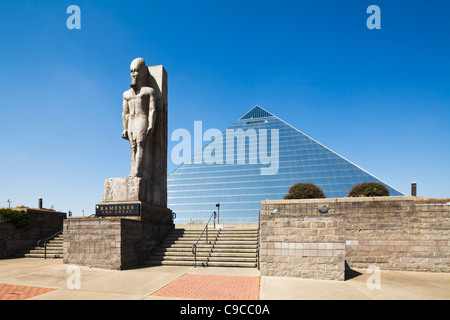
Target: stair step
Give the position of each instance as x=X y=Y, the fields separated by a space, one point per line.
x=54 y=249
x=39 y=251
x=206 y=254
x=195 y=237
x=226 y=248
x=212 y=229
x=208 y=258
x=210 y=246
x=206 y=249
x=215 y=231
x=41 y=255
x=52 y=244
x=212 y=243
x=203 y=239
x=210 y=238
x=204 y=264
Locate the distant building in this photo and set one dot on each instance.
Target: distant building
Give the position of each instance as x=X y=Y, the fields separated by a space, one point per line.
x=258 y=157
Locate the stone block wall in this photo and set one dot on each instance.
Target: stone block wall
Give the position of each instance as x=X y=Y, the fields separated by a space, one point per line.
x=43 y=223
x=93 y=242
x=110 y=243
x=393 y=233
x=297 y=242
x=408 y=234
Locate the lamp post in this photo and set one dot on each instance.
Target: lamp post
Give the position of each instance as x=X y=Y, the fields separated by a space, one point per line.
x=9 y=203
x=218 y=206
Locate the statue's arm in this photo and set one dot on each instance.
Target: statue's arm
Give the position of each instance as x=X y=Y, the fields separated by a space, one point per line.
x=125 y=117
x=151 y=113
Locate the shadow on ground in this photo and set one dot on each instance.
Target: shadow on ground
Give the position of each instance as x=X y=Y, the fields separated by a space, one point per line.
x=350 y=273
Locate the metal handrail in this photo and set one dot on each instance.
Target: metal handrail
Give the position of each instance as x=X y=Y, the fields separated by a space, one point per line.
x=172 y=214
x=46 y=240
x=259 y=240
x=29 y=227
x=194 y=247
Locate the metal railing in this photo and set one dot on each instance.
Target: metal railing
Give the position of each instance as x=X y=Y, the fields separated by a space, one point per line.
x=141 y=242
x=27 y=228
x=194 y=247
x=44 y=241
x=258 y=256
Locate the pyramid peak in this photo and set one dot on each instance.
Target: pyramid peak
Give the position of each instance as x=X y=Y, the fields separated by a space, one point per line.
x=257 y=112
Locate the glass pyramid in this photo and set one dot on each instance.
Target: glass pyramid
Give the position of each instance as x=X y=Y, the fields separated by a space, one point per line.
x=258 y=157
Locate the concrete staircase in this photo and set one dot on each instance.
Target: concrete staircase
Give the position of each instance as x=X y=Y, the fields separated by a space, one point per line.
x=54 y=249
x=226 y=247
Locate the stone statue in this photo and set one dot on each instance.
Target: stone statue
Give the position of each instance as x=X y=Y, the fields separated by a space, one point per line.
x=144 y=115
x=139 y=108
x=141 y=196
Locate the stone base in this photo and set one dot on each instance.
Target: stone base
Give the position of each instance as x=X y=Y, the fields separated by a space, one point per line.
x=115 y=243
x=131 y=189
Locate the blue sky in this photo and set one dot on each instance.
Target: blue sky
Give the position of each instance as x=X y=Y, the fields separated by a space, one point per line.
x=380 y=98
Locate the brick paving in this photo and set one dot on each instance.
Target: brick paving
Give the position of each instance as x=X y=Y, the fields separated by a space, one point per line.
x=13 y=292
x=212 y=287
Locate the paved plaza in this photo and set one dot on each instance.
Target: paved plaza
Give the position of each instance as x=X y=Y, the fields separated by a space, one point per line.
x=38 y=279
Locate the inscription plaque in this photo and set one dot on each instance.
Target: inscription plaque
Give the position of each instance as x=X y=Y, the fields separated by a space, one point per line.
x=122 y=209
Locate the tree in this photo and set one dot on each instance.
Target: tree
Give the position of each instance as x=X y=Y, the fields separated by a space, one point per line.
x=306 y=190
x=369 y=189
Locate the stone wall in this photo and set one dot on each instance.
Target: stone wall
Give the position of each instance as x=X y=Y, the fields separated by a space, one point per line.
x=298 y=242
x=111 y=243
x=393 y=233
x=43 y=223
x=409 y=234
x=93 y=242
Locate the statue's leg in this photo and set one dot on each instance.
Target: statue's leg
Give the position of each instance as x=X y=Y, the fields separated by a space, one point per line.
x=139 y=163
x=138 y=131
x=133 y=157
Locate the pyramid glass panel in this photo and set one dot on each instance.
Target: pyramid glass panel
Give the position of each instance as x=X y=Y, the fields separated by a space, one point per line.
x=258 y=157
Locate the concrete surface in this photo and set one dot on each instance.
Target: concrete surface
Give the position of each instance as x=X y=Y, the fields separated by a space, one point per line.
x=139 y=284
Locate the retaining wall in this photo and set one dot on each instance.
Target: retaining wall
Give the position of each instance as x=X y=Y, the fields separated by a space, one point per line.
x=43 y=223
x=393 y=233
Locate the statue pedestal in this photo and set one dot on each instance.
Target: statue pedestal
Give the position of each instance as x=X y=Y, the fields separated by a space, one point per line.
x=124 y=232
x=115 y=243
x=131 y=189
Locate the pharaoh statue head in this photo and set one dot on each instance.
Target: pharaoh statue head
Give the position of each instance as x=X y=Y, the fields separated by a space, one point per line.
x=138 y=72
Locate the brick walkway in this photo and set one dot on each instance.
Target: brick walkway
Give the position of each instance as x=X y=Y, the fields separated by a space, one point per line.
x=12 y=292
x=212 y=287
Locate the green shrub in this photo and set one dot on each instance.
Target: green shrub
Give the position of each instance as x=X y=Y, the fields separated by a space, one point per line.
x=305 y=190
x=19 y=219
x=369 y=189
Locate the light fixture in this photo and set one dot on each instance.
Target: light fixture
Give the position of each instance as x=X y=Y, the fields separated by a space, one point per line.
x=325 y=210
